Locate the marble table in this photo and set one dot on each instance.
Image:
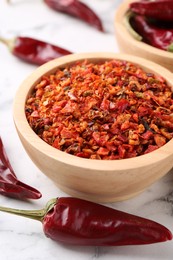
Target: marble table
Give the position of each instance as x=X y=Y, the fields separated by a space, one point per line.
x=21 y=238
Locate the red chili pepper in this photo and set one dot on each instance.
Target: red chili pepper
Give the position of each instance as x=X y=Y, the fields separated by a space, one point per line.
x=158 y=9
x=9 y=184
x=158 y=37
x=79 y=222
x=76 y=9
x=34 y=51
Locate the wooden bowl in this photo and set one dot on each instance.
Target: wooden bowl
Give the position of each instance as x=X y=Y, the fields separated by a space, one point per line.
x=128 y=44
x=96 y=180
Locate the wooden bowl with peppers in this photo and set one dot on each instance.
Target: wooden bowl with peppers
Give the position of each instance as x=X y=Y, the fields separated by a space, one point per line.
x=145 y=28
x=98 y=124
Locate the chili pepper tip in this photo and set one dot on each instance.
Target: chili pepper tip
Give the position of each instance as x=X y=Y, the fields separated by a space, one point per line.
x=9 y=184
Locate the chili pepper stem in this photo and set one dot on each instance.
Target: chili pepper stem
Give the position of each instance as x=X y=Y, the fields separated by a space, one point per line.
x=8 y=42
x=32 y=214
x=170 y=47
x=126 y=22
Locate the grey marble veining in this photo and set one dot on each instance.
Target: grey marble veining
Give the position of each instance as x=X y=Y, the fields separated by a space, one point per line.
x=23 y=239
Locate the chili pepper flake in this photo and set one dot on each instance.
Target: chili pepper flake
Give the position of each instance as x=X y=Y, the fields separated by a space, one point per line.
x=106 y=111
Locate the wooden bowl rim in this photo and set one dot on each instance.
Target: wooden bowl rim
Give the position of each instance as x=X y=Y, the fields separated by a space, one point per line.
x=30 y=136
x=119 y=25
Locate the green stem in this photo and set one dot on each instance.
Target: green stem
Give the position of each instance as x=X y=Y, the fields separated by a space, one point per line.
x=170 y=47
x=32 y=214
x=126 y=22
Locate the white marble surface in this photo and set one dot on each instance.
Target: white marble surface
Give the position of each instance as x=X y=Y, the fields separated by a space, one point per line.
x=23 y=239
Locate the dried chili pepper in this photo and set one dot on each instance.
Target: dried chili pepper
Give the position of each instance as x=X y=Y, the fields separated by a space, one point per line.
x=79 y=222
x=161 y=38
x=110 y=110
x=77 y=9
x=34 y=51
x=9 y=184
x=158 y=9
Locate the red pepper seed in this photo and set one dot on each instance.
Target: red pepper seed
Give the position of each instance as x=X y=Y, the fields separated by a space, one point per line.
x=111 y=110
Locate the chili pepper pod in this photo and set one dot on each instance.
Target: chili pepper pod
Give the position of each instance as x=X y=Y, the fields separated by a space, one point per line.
x=9 y=184
x=79 y=222
x=34 y=51
x=158 y=9
x=77 y=9
x=161 y=38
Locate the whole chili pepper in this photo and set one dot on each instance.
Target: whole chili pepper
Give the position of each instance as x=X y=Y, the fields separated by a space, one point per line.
x=158 y=9
x=161 y=38
x=79 y=222
x=76 y=9
x=9 y=184
x=34 y=51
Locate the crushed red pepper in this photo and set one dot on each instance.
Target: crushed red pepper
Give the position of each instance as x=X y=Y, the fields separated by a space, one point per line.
x=109 y=110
